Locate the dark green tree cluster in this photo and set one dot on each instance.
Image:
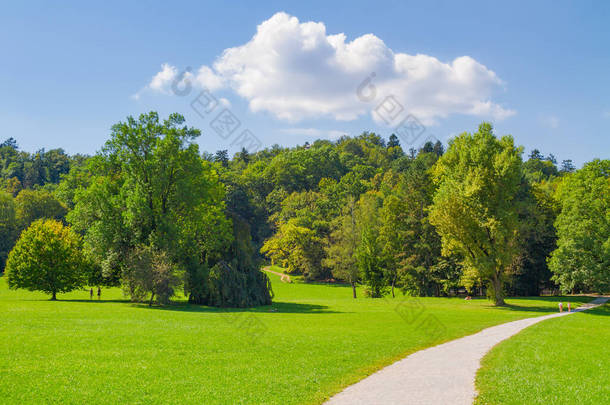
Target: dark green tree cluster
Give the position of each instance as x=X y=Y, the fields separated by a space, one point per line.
x=27 y=190
x=21 y=170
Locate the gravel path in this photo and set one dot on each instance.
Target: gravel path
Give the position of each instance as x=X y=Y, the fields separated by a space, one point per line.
x=285 y=278
x=439 y=375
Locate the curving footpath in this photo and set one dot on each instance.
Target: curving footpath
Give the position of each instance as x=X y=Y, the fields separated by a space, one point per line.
x=285 y=278
x=442 y=374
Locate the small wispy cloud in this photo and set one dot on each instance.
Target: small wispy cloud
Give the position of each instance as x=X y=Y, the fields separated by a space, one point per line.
x=168 y=79
x=606 y=114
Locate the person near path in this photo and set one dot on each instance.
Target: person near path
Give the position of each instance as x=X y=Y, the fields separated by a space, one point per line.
x=99 y=293
x=91 y=293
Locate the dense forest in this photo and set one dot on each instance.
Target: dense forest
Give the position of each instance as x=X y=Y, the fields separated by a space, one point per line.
x=153 y=214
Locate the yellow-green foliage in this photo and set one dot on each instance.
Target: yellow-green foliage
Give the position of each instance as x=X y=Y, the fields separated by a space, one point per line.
x=474 y=209
x=47 y=257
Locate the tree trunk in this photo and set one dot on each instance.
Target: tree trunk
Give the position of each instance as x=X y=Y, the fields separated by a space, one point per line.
x=53 y=296
x=353 y=289
x=152 y=297
x=393 y=283
x=497 y=290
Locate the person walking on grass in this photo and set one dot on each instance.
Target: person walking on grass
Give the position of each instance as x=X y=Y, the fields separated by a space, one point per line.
x=91 y=293
x=99 y=293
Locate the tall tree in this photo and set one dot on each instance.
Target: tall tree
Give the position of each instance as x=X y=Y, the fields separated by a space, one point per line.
x=393 y=237
x=410 y=243
x=152 y=189
x=567 y=166
x=582 y=258
x=474 y=207
x=537 y=238
x=370 y=250
x=8 y=226
x=344 y=241
x=222 y=157
x=10 y=143
x=393 y=141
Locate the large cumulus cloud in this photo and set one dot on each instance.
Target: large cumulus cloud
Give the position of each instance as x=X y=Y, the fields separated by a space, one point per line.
x=294 y=70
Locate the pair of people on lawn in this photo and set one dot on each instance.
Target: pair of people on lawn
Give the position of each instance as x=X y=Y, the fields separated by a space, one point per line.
x=99 y=293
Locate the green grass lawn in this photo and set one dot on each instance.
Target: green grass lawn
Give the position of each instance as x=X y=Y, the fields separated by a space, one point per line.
x=313 y=341
x=559 y=361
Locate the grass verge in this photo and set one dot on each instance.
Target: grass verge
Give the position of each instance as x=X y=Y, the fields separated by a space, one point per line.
x=312 y=342
x=558 y=361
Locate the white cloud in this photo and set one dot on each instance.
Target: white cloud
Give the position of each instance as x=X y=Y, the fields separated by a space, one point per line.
x=169 y=81
x=207 y=78
x=162 y=80
x=313 y=132
x=296 y=70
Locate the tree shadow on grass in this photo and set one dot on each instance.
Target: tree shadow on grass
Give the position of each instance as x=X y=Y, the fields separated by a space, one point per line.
x=184 y=306
x=95 y=301
x=277 y=307
x=327 y=284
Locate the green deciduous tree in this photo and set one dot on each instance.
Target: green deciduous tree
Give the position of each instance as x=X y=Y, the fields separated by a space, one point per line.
x=296 y=248
x=8 y=226
x=152 y=188
x=150 y=273
x=582 y=258
x=235 y=280
x=411 y=242
x=47 y=257
x=37 y=204
x=474 y=208
x=537 y=238
x=370 y=250
x=341 y=251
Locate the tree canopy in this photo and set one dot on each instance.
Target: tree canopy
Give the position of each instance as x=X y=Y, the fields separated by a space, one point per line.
x=157 y=215
x=48 y=258
x=474 y=208
x=8 y=226
x=582 y=258
x=152 y=192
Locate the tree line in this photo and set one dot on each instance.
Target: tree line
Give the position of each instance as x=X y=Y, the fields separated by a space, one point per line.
x=147 y=213
x=154 y=215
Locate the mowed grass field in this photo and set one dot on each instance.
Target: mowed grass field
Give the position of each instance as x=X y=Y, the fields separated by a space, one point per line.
x=312 y=342
x=559 y=361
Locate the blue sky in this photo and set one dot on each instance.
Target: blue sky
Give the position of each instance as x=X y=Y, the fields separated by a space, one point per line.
x=537 y=70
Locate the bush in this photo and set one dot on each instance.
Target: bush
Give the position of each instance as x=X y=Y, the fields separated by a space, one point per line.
x=149 y=271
